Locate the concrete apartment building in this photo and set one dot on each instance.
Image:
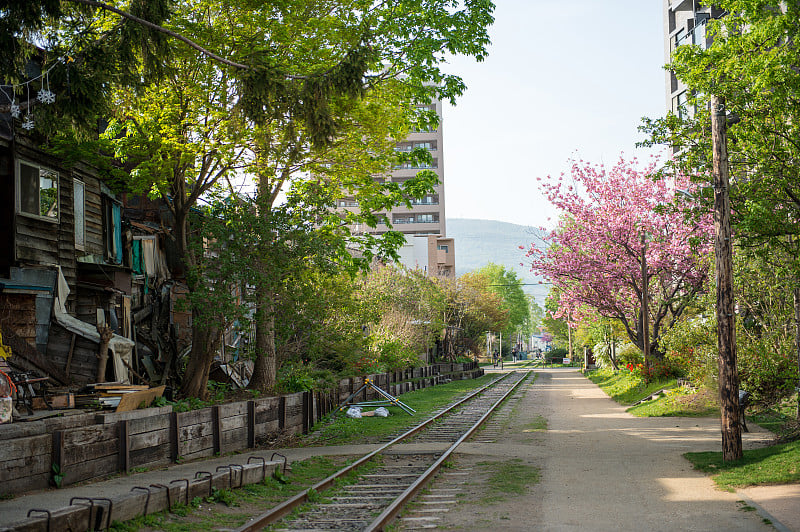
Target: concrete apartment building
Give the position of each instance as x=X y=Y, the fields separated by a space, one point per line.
x=684 y=23
x=427 y=246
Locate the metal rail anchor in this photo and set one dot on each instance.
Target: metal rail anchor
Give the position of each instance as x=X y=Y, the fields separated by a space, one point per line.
x=147 y=499
x=169 y=496
x=263 y=466
x=285 y=461
x=207 y=476
x=89 y=525
x=49 y=515
x=186 y=488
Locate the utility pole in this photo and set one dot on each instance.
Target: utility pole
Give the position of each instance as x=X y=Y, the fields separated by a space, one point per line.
x=726 y=332
x=645 y=304
x=569 y=334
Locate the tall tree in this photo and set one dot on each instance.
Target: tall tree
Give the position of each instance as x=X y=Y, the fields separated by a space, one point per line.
x=506 y=283
x=751 y=65
x=615 y=237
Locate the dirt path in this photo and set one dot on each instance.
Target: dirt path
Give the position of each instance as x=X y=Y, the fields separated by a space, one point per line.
x=601 y=468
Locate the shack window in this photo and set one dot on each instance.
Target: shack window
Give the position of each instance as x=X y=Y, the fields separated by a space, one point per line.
x=79 y=197
x=37 y=191
x=112 y=230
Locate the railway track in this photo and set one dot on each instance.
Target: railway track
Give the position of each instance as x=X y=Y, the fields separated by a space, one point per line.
x=377 y=497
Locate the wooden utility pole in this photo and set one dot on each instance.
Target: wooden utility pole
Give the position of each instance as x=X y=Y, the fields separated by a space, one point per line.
x=645 y=304
x=797 y=342
x=723 y=252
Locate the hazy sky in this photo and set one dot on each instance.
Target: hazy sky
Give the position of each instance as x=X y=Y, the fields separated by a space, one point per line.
x=562 y=80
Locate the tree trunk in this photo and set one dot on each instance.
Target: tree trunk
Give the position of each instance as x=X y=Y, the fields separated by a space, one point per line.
x=102 y=353
x=265 y=366
x=726 y=332
x=645 y=305
x=205 y=341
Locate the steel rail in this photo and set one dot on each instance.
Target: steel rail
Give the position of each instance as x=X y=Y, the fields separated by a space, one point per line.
x=394 y=508
x=287 y=506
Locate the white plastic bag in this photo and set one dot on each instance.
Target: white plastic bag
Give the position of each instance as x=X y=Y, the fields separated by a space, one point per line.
x=381 y=412
x=354 y=412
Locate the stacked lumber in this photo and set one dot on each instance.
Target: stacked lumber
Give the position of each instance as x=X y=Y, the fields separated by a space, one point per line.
x=121 y=397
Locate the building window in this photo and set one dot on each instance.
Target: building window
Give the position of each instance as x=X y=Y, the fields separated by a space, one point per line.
x=79 y=201
x=37 y=191
x=446 y=249
x=681 y=107
x=112 y=230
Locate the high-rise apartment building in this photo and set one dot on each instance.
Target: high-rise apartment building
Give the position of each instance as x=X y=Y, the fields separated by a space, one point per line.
x=684 y=23
x=424 y=223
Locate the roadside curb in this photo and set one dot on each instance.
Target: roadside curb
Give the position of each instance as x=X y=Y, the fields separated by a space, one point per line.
x=780 y=527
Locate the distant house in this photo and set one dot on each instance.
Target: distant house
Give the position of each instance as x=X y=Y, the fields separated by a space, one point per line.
x=63 y=265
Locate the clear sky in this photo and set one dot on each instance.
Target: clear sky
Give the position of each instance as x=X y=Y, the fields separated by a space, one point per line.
x=563 y=79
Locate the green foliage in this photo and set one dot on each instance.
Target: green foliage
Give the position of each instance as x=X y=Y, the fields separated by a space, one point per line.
x=506 y=283
x=393 y=355
x=752 y=66
x=57 y=475
x=295 y=377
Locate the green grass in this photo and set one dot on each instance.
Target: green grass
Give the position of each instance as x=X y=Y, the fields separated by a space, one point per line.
x=779 y=464
x=539 y=424
x=508 y=478
x=625 y=388
x=343 y=430
x=679 y=403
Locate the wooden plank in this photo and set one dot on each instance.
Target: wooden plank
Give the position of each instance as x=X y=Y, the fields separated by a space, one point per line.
x=88 y=435
x=25 y=483
x=124 y=446
x=174 y=439
x=231 y=423
x=149 y=439
x=150 y=423
x=32 y=446
x=58 y=449
x=307 y=411
x=265 y=429
x=100 y=467
x=131 y=401
x=23 y=467
x=198 y=447
x=234 y=440
x=282 y=413
x=69 y=355
x=216 y=423
x=233 y=409
x=195 y=416
x=82 y=453
x=198 y=430
x=251 y=424
x=150 y=456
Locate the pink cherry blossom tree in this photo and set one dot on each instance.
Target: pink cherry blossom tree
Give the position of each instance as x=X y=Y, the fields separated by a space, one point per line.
x=615 y=225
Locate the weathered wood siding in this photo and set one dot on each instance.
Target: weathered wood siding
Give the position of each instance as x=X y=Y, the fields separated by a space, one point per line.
x=18 y=312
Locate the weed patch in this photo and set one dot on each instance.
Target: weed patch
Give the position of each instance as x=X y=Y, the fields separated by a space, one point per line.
x=508 y=478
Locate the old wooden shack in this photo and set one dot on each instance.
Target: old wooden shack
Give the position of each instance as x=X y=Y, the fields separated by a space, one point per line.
x=62 y=262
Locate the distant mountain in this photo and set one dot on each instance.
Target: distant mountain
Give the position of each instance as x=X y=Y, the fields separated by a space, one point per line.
x=479 y=242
